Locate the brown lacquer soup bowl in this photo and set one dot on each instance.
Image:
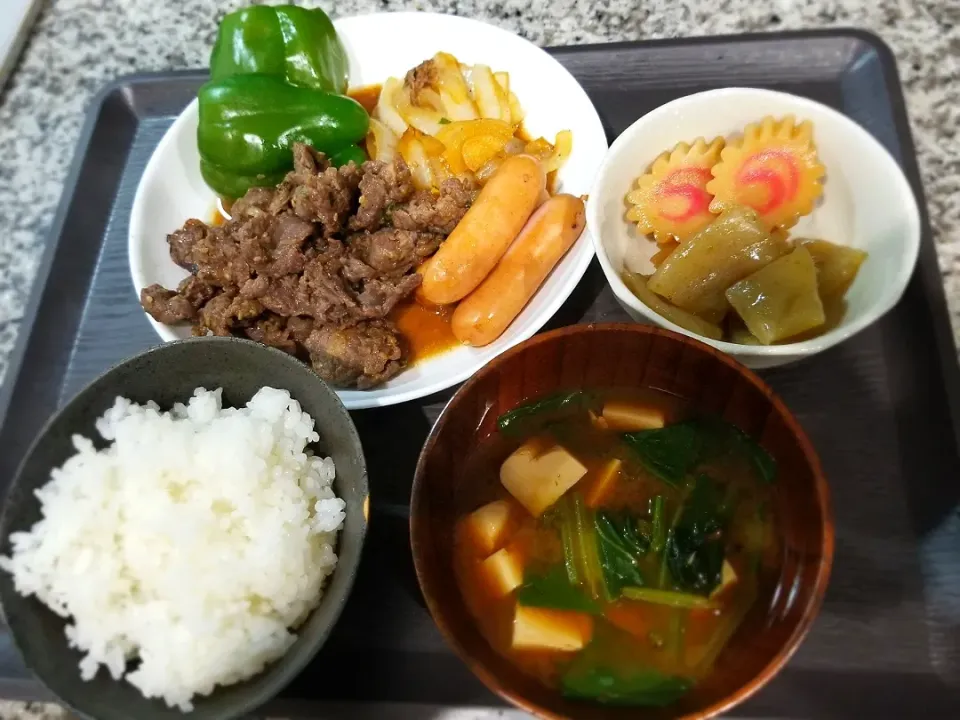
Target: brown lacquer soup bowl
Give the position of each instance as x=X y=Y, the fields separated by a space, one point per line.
x=636 y=361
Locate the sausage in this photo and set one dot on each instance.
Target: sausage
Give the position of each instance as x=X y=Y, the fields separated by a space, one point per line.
x=418 y=294
x=483 y=235
x=483 y=316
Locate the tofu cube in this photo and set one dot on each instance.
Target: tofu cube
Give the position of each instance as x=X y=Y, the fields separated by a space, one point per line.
x=537 y=628
x=502 y=572
x=630 y=417
x=728 y=578
x=537 y=477
x=603 y=483
x=488 y=528
x=598 y=422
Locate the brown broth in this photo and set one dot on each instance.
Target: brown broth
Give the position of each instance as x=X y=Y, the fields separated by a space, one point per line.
x=628 y=633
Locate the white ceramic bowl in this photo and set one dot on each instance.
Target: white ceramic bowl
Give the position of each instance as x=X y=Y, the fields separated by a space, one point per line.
x=171 y=189
x=867 y=203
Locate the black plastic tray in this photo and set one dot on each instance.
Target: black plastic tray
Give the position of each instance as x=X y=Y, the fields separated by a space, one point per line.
x=881 y=408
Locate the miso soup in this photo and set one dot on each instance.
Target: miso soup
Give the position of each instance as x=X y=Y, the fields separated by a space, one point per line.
x=613 y=541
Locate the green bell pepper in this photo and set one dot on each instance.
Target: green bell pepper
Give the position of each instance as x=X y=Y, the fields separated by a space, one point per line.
x=231 y=185
x=351 y=153
x=248 y=123
x=297 y=44
x=234 y=186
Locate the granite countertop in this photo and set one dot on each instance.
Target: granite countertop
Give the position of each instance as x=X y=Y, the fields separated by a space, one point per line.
x=79 y=45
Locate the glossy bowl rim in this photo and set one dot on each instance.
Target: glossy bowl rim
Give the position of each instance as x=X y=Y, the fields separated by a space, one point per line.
x=805 y=348
x=818 y=590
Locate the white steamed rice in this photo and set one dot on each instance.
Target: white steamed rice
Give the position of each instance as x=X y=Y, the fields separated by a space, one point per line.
x=196 y=541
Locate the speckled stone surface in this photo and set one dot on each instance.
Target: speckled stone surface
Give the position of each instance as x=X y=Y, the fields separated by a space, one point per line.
x=30 y=711
x=78 y=45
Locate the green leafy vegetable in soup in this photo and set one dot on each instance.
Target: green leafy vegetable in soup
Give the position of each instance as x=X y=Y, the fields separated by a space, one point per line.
x=669 y=453
x=553 y=589
x=695 y=545
x=613 y=542
x=621 y=548
x=607 y=685
x=527 y=418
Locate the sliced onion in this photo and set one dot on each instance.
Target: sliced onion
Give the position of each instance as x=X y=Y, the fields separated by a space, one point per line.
x=222 y=210
x=423 y=119
x=503 y=96
x=485 y=92
x=411 y=149
x=386 y=110
x=454 y=92
x=540 y=149
x=430 y=99
x=492 y=165
x=381 y=142
x=516 y=110
x=562 y=147
x=440 y=170
x=514 y=146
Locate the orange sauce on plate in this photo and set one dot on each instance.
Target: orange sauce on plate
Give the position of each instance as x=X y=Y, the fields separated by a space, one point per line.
x=367 y=95
x=426 y=330
x=217 y=218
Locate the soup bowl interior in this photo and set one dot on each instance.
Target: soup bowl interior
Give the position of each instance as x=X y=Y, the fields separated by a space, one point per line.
x=629 y=357
x=166 y=375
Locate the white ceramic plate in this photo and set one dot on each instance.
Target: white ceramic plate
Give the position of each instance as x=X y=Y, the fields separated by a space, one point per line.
x=381 y=46
x=867 y=203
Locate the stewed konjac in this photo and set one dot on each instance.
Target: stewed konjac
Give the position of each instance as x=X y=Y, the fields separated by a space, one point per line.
x=614 y=541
